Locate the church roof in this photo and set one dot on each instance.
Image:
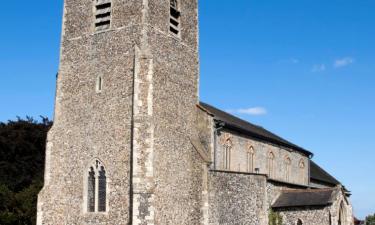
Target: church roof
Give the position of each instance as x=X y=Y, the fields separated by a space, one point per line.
x=320 y=175
x=234 y=123
x=304 y=198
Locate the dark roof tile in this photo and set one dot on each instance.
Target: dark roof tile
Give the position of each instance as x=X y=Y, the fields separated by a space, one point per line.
x=247 y=128
x=304 y=198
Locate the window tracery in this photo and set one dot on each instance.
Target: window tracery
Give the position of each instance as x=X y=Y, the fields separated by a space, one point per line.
x=96 y=188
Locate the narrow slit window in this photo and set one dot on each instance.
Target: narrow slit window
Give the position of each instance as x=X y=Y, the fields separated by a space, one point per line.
x=103 y=10
x=174 y=20
x=99 y=84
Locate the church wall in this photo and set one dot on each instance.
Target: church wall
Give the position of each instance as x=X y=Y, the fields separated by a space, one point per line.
x=308 y=215
x=237 y=199
x=177 y=166
x=79 y=16
x=89 y=125
x=240 y=147
x=205 y=126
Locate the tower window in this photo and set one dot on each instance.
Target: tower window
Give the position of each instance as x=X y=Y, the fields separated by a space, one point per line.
x=99 y=84
x=174 y=20
x=102 y=14
x=97 y=188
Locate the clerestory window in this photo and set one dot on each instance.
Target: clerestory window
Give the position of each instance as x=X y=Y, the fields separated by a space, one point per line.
x=103 y=12
x=174 y=19
x=96 y=188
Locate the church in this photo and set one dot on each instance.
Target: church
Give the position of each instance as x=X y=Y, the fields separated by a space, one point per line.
x=132 y=144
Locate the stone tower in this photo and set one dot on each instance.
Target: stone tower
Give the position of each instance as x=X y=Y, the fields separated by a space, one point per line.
x=119 y=151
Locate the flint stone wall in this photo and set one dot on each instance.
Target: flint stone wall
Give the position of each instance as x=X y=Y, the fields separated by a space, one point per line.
x=308 y=215
x=237 y=199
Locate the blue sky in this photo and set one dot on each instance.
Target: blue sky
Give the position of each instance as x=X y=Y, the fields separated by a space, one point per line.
x=302 y=69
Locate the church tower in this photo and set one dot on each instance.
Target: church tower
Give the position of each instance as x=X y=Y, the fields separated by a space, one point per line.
x=119 y=152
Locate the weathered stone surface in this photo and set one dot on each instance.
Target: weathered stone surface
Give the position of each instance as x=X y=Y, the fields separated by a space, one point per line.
x=237 y=199
x=141 y=124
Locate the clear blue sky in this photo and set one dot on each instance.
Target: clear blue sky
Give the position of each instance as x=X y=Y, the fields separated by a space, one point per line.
x=303 y=69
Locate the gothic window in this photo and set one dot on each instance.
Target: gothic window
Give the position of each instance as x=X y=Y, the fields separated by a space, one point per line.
x=227 y=154
x=299 y=222
x=91 y=191
x=174 y=19
x=102 y=190
x=250 y=159
x=102 y=14
x=271 y=159
x=302 y=171
x=288 y=163
x=97 y=188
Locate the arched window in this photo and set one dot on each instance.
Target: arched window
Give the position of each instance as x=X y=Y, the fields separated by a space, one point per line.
x=299 y=222
x=250 y=159
x=271 y=159
x=174 y=19
x=288 y=163
x=227 y=154
x=102 y=14
x=96 y=188
x=302 y=171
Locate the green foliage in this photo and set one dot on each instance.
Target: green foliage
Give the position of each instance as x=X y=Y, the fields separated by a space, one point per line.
x=370 y=220
x=22 y=149
x=275 y=218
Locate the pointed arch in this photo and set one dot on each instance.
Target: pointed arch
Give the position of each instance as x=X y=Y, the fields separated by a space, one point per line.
x=250 y=159
x=228 y=153
x=302 y=171
x=288 y=163
x=96 y=187
x=271 y=159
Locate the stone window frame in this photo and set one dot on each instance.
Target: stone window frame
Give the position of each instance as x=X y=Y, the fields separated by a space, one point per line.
x=99 y=84
x=174 y=19
x=250 y=158
x=271 y=164
x=95 y=166
x=288 y=165
x=302 y=166
x=96 y=4
x=227 y=154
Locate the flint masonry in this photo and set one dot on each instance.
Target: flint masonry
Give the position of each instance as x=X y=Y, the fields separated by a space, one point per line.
x=132 y=145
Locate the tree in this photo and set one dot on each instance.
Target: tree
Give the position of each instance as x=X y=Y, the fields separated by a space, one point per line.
x=22 y=153
x=370 y=220
x=274 y=218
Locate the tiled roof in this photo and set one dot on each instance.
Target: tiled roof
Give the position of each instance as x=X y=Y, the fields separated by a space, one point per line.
x=242 y=126
x=320 y=175
x=304 y=198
